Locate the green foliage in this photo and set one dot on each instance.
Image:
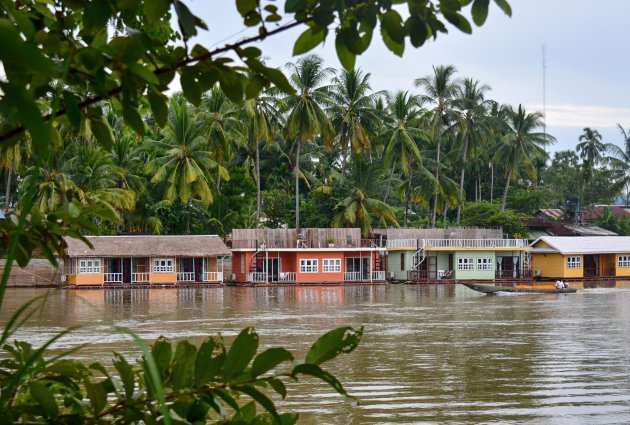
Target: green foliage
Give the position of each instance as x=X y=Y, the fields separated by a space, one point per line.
x=177 y=382
x=529 y=200
x=276 y=206
x=485 y=214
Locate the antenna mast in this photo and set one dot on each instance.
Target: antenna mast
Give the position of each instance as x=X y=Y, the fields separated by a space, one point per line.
x=544 y=68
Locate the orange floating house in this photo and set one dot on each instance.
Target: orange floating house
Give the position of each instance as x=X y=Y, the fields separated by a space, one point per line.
x=163 y=260
x=308 y=256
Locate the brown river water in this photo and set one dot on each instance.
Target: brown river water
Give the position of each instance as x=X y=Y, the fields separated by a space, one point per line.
x=435 y=354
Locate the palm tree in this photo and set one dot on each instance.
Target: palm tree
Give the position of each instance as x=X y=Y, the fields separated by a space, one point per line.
x=440 y=89
x=223 y=126
x=262 y=117
x=359 y=191
x=306 y=118
x=13 y=159
x=353 y=115
x=472 y=124
x=590 y=149
x=521 y=145
x=401 y=135
x=183 y=163
x=619 y=163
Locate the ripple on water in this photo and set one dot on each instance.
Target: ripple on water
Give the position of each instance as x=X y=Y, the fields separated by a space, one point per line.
x=429 y=354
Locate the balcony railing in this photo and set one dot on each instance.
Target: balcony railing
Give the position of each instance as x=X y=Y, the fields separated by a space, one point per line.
x=507 y=274
x=139 y=277
x=185 y=276
x=213 y=276
x=476 y=243
x=598 y=272
x=257 y=277
x=287 y=277
x=402 y=243
x=113 y=278
x=378 y=275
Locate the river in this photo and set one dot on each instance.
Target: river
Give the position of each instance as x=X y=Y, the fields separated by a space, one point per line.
x=439 y=354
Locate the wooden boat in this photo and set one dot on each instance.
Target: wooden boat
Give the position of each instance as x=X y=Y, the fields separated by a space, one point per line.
x=519 y=288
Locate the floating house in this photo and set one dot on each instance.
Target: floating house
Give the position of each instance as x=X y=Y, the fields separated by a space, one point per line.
x=164 y=260
x=454 y=253
x=581 y=256
x=308 y=256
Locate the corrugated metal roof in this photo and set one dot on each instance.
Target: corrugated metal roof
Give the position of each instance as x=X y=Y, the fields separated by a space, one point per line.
x=589 y=230
x=554 y=213
x=584 y=244
x=149 y=246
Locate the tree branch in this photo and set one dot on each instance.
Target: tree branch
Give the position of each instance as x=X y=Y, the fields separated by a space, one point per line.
x=17 y=131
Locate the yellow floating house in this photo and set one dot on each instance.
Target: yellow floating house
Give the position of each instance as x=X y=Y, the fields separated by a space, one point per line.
x=581 y=256
x=118 y=260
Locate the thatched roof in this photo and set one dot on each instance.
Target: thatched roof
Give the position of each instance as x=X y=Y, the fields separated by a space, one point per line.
x=148 y=246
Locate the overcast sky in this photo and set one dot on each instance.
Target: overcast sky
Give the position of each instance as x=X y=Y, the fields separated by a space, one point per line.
x=587 y=59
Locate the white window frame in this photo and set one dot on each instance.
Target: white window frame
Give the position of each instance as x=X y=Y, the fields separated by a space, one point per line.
x=309 y=265
x=163 y=265
x=242 y=262
x=90 y=266
x=574 y=262
x=465 y=263
x=485 y=263
x=331 y=265
x=623 y=261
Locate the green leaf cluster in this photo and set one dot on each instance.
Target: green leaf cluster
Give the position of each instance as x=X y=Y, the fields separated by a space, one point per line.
x=172 y=383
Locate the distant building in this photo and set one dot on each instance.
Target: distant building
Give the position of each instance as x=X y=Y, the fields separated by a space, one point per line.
x=539 y=226
x=310 y=256
x=454 y=253
x=581 y=256
x=118 y=260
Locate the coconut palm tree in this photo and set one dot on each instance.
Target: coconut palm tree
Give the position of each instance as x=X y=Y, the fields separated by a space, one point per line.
x=353 y=114
x=472 y=118
x=619 y=163
x=440 y=89
x=401 y=135
x=224 y=129
x=359 y=190
x=307 y=118
x=183 y=162
x=262 y=117
x=520 y=145
x=591 y=150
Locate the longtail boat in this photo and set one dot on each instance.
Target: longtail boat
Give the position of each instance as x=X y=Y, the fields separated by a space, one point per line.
x=519 y=288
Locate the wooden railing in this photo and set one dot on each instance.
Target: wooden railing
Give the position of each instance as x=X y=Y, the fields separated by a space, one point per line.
x=185 y=276
x=139 y=277
x=287 y=277
x=112 y=278
x=213 y=276
x=598 y=272
x=378 y=275
x=257 y=277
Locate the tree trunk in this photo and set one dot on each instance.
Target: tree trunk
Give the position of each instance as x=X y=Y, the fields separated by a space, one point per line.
x=297 y=182
x=7 y=199
x=505 y=192
x=258 y=203
x=389 y=186
x=461 y=181
x=407 y=201
x=437 y=182
x=491 y=183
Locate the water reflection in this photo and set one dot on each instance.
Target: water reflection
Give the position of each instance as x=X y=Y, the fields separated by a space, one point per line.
x=431 y=354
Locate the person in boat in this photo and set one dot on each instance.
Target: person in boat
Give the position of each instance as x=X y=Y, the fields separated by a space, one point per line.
x=559 y=284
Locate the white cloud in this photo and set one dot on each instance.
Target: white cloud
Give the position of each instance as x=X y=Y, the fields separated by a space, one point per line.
x=565 y=115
